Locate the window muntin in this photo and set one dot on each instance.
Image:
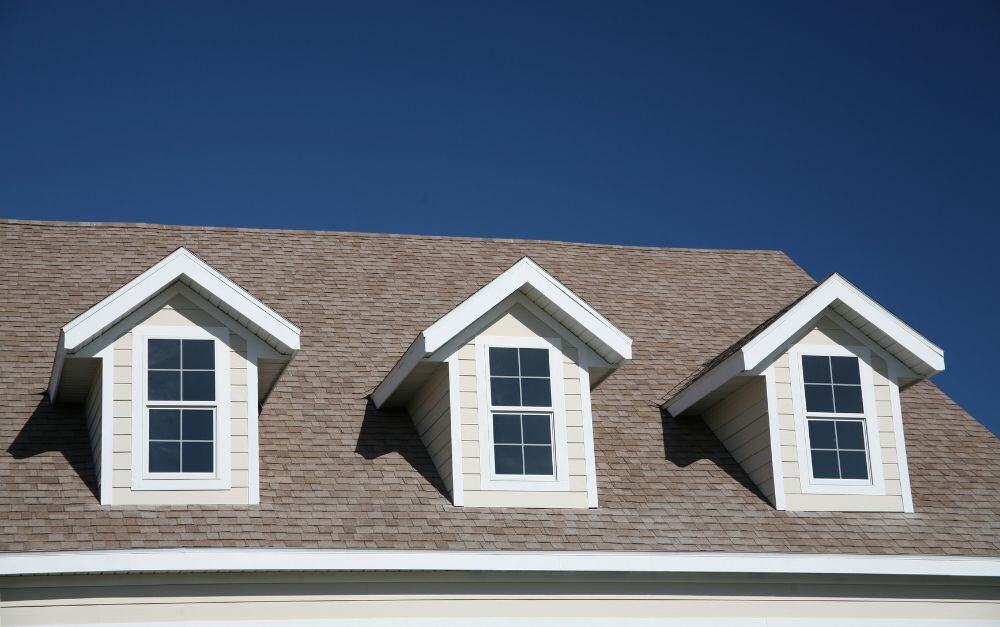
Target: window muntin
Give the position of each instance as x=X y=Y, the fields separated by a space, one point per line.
x=835 y=417
x=520 y=379
x=181 y=407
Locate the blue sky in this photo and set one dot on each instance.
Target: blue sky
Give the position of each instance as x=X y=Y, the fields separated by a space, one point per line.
x=859 y=137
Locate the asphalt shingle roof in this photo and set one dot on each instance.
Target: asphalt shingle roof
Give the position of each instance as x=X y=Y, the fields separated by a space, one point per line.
x=336 y=473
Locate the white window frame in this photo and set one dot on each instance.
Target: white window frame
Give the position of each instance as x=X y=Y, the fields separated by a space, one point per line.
x=489 y=480
x=142 y=479
x=875 y=484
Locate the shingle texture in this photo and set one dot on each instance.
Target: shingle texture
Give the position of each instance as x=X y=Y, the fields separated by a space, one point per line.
x=336 y=473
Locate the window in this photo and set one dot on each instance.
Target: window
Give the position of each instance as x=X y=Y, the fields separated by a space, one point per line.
x=835 y=416
x=521 y=411
x=181 y=406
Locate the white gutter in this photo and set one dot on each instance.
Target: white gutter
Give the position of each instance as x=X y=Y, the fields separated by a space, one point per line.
x=273 y=560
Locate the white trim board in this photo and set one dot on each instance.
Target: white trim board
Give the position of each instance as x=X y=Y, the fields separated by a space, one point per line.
x=607 y=340
x=920 y=355
x=178 y=265
x=275 y=560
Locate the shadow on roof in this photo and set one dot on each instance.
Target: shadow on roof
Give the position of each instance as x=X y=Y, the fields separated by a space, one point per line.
x=688 y=440
x=392 y=431
x=61 y=429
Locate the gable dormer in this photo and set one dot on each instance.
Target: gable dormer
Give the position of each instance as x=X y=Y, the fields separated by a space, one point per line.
x=171 y=369
x=808 y=403
x=499 y=392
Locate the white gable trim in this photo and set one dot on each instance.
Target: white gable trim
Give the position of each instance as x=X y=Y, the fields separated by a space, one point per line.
x=836 y=289
x=525 y=272
x=180 y=264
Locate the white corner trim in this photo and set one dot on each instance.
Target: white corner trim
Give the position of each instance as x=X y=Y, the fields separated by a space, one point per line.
x=331 y=560
x=107 y=357
x=455 y=416
x=253 y=425
x=526 y=272
x=589 y=453
x=774 y=431
x=758 y=350
x=180 y=263
x=897 y=429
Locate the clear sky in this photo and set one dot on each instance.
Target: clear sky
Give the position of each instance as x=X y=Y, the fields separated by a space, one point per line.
x=858 y=137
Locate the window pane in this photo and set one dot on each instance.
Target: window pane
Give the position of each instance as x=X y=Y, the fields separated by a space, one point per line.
x=199 y=386
x=537 y=460
x=821 y=434
x=507 y=459
x=815 y=369
x=164 y=354
x=164 y=424
x=848 y=399
x=503 y=361
x=197 y=457
x=534 y=362
x=537 y=429
x=199 y=354
x=845 y=370
x=536 y=393
x=507 y=428
x=853 y=465
x=504 y=391
x=164 y=456
x=198 y=424
x=819 y=397
x=850 y=434
x=825 y=465
x=164 y=385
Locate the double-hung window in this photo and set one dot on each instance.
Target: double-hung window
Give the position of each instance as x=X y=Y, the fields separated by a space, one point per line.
x=522 y=412
x=835 y=416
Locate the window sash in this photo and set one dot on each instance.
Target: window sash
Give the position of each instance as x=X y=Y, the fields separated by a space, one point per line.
x=180 y=474
x=521 y=445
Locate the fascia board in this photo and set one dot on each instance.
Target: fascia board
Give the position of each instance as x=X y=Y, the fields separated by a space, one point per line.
x=706 y=384
x=402 y=369
x=180 y=263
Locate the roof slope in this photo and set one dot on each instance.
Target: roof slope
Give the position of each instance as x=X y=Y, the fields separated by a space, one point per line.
x=337 y=473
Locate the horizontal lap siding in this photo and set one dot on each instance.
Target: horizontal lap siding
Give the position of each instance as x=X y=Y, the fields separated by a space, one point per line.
x=431 y=413
x=828 y=332
x=740 y=421
x=92 y=409
x=180 y=312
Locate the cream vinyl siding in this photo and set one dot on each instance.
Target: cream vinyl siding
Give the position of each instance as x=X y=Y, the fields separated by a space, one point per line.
x=179 y=311
x=828 y=332
x=92 y=410
x=442 y=599
x=519 y=322
x=431 y=413
x=740 y=421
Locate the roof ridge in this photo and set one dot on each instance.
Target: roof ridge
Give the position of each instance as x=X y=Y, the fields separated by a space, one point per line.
x=467 y=238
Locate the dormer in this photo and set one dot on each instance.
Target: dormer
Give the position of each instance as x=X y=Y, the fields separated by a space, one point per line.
x=172 y=369
x=808 y=403
x=499 y=392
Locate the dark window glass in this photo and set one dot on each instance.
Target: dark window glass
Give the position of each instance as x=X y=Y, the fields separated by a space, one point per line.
x=853 y=465
x=537 y=460
x=845 y=370
x=507 y=428
x=534 y=362
x=850 y=435
x=198 y=424
x=819 y=397
x=199 y=354
x=815 y=369
x=847 y=399
x=537 y=429
x=196 y=457
x=507 y=459
x=505 y=391
x=164 y=456
x=164 y=385
x=503 y=362
x=164 y=354
x=821 y=434
x=536 y=393
x=199 y=385
x=824 y=465
x=165 y=424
